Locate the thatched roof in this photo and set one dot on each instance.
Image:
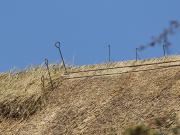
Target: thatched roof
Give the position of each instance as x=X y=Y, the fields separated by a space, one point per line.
x=106 y=101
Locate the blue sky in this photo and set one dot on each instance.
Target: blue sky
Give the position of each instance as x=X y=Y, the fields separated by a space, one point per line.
x=29 y=29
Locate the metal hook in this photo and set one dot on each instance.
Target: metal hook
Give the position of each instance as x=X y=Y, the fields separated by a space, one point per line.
x=42 y=80
x=137 y=56
x=58 y=44
x=46 y=62
x=109 y=53
x=47 y=65
x=165 y=46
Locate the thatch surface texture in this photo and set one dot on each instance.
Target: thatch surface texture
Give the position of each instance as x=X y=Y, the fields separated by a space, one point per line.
x=103 y=105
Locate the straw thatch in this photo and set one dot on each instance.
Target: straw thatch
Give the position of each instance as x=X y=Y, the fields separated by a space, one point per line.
x=22 y=93
x=94 y=105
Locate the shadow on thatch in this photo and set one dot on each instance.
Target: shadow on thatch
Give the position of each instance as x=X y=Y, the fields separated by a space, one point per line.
x=18 y=109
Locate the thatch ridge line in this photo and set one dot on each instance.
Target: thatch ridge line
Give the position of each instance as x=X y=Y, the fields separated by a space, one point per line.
x=138 y=65
x=161 y=67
